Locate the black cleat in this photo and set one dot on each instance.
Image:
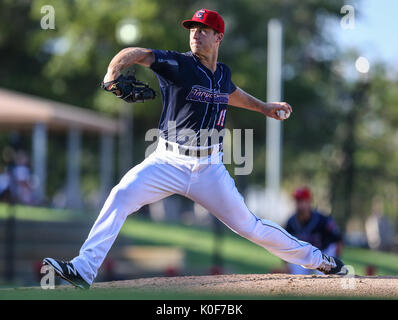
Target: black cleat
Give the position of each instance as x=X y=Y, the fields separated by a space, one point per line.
x=332 y=265
x=67 y=271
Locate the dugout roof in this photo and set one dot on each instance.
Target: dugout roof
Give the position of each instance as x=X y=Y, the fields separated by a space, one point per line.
x=20 y=110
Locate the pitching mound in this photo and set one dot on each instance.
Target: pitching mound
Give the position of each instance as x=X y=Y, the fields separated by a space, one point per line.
x=249 y=285
x=266 y=285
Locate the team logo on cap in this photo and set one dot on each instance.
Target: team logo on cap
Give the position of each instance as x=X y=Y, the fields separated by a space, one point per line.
x=200 y=14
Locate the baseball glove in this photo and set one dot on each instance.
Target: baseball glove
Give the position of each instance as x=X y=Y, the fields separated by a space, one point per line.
x=129 y=89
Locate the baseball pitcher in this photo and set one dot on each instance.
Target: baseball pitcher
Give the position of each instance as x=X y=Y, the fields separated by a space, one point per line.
x=197 y=91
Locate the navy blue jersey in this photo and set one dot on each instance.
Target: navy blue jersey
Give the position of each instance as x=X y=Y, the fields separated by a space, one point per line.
x=194 y=99
x=320 y=230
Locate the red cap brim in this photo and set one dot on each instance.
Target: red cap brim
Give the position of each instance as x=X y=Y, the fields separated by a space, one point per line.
x=187 y=24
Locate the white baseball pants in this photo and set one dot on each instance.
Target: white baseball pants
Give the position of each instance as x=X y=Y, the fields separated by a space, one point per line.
x=331 y=250
x=204 y=180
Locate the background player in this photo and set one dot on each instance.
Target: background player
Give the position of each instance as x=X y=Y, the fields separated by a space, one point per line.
x=312 y=226
x=196 y=90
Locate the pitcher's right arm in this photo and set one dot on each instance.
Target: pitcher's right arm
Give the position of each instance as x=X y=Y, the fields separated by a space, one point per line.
x=127 y=57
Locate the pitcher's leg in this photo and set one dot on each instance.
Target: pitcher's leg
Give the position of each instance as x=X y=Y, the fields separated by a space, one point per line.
x=296 y=269
x=145 y=183
x=216 y=191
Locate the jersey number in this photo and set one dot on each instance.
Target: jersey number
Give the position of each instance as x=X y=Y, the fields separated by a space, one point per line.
x=221 y=118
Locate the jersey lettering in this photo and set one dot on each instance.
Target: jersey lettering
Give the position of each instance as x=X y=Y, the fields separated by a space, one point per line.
x=202 y=94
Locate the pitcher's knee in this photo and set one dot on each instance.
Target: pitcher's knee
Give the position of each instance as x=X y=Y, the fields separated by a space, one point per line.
x=125 y=197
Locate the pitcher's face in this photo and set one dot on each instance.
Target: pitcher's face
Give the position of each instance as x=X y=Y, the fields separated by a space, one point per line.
x=203 y=39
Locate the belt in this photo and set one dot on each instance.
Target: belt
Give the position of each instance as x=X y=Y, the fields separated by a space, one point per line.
x=190 y=152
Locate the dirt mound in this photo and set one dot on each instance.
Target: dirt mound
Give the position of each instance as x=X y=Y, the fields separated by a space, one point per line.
x=267 y=285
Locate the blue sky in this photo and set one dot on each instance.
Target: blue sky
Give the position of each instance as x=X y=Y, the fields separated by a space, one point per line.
x=375 y=35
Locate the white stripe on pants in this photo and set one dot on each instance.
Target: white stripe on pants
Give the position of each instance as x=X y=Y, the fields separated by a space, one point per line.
x=164 y=173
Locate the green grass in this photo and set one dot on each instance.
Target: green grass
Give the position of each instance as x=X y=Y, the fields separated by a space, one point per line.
x=38 y=213
x=140 y=294
x=239 y=255
x=385 y=263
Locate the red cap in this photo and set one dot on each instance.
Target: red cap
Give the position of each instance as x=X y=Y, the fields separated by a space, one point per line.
x=302 y=194
x=209 y=18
